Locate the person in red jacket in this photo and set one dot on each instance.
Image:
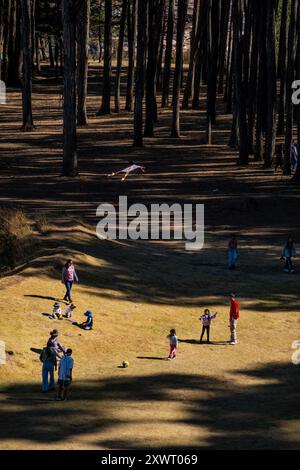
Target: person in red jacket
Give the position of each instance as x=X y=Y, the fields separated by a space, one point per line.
x=234 y=315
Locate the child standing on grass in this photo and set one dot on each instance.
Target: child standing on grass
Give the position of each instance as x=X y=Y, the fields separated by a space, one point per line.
x=206 y=321
x=173 y=344
x=66 y=366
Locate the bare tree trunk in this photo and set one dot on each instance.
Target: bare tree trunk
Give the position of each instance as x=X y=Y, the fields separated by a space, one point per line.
x=70 y=165
x=195 y=42
x=282 y=63
x=13 y=77
x=120 y=56
x=271 y=79
x=83 y=34
x=296 y=177
x=27 y=66
x=181 y=19
x=140 y=72
x=131 y=35
x=51 y=56
x=289 y=80
x=168 y=55
x=106 y=89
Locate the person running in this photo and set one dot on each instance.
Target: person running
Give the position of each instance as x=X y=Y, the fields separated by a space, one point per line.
x=173 y=344
x=206 y=321
x=48 y=357
x=133 y=168
x=234 y=315
x=232 y=252
x=65 y=375
x=278 y=157
x=289 y=252
x=54 y=343
x=68 y=277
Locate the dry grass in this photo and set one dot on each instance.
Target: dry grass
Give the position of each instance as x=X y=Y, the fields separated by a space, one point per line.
x=211 y=396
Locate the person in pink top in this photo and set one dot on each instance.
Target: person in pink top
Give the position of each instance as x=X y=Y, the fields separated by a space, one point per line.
x=68 y=277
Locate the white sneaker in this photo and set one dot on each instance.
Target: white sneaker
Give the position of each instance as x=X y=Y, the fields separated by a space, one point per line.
x=233 y=342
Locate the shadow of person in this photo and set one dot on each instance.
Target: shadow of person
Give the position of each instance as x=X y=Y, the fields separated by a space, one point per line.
x=152 y=358
x=36 y=350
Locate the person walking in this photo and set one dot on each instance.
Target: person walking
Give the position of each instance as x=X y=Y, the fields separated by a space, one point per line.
x=232 y=252
x=234 y=315
x=68 y=277
x=65 y=375
x=173 y=339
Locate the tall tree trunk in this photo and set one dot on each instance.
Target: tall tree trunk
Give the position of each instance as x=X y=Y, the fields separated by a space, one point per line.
x=155 y=27
x=282 y=63
x=131 y=36
x=168 y=55
x=296 y=177
x=106 y=90
x=27 y=66
x=195 y=43
x=181 y=19
x=271 y=80
x=289 y=80
x=140 y=71
x=13 y=77
x=83 y=34
x=223 y=42
x=239 y=81
x=120 y=56
x=70 y=164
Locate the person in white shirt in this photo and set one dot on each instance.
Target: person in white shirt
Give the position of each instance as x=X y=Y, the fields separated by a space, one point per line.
x=66 y=366
x=133 y=168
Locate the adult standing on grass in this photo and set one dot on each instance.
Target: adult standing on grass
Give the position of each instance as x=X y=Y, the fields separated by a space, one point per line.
x=49 y=359
x=234 y=315
x=68 y=277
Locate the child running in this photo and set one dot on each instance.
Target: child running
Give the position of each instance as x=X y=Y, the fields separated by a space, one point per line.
x=173 y=344
x=133 y=168
x=206 y=321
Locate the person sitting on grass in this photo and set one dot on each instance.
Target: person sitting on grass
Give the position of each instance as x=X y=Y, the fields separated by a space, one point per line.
x=173 y=344
x=70 y=310
x=65 y=375
x=57 y=312
x=206 y=321
x=289 y=252
x=88 y=324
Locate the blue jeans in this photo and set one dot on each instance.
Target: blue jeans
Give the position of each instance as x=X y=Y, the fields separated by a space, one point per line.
x=232 y=257
x=47 y=369
x=68 y=285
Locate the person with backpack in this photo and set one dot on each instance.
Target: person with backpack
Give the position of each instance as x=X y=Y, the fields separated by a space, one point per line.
x=48 y=357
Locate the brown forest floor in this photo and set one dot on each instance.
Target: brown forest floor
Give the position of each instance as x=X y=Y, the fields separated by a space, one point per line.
x=213 y=396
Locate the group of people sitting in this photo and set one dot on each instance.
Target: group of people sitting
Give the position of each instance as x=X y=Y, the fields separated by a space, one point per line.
x=57 y=314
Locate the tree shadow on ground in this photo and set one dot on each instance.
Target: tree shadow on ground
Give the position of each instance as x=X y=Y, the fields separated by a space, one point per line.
x=260 y=414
